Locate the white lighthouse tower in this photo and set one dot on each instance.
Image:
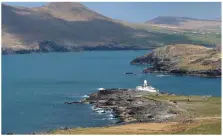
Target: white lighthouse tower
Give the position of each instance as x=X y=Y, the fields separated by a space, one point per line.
x=145 y=87
x=145 y=83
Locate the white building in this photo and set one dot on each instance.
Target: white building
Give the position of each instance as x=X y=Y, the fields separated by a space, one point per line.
x=145 y=87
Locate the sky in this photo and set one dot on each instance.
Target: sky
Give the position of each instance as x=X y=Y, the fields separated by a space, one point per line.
x=144 y=11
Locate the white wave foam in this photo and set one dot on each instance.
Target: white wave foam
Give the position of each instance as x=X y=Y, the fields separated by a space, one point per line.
x=92 y=107
x=110 y=115
x=85 y=96
x=162 y=75
x=109 y=118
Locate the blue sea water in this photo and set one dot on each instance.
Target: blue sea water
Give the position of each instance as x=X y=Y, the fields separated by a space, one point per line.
x=35 y=87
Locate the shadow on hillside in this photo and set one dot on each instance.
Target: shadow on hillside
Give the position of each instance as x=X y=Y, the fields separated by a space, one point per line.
x=37 y=27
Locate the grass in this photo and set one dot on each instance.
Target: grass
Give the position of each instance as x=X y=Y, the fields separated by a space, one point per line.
x=188 y=57
x=171 y=36
x=204 y=117
x=196 y=106
x=203 y=127
x=205 y=38
x=209 y=128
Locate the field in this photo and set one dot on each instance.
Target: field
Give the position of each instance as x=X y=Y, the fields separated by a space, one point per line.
x=197 y=115
x=207 y=36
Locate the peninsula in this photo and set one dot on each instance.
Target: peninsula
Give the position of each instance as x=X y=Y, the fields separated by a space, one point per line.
x=183 y=59
x=143 y=112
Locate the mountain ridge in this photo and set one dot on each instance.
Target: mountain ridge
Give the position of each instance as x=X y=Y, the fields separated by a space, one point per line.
x=185 y=17
x=183 y=22
x=73 y=27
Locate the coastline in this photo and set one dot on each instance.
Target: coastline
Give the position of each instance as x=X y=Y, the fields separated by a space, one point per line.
x=191 y=112
x=77 y=68
x=158 y=82
x=182 y=59
x=181 y=74
x=11 y=52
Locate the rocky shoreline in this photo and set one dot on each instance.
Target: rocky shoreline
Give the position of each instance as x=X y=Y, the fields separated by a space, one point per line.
x=25 y=51
x=183 y=59
x=208 y=73
x=142 y=112
x=51 y=46
x=130 y=106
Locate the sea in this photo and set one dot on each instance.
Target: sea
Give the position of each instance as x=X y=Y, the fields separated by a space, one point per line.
x=35 y=87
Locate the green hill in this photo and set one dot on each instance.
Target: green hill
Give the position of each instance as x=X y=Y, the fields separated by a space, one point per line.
x=68 y=26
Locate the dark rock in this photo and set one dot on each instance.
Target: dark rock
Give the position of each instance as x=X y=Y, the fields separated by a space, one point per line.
x=110 y=101
x=129 y=107
x=178 y=71
x=149 y=116
x=51 y=46
x=187 y=121
x=147 y=70
x=127 y=73
x=66 y=128
x=75 y=102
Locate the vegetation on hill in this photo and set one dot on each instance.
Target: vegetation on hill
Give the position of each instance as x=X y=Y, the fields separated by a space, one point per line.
x=183 y=59
x=74 y=27
x=198 y=115
x=184 y=23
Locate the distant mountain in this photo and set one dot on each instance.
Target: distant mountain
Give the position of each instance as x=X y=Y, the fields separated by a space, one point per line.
x=64 y=26
x=183 y=22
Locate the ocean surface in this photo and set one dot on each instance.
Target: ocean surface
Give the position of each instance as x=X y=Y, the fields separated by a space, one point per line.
x=35 y=87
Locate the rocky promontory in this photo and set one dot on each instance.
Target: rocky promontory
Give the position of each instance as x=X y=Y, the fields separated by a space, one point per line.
x=183 y=59
x=142 y=112
x=130 y=105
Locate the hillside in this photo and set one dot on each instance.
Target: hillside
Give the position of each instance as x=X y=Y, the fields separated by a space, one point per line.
x=67 y=24
x=64 y=26
x=185 y=23
x=194 y=115
x=183 y=59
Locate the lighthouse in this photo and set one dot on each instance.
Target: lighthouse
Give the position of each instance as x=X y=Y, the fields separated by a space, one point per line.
x=145 y=84
x=147 y=88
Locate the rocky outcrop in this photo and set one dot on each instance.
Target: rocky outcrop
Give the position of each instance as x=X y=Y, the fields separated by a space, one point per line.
x=183 y=59
x=131 y=105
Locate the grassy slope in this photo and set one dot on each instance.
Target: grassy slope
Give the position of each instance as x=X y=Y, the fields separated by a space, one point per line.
x=197 y=116
x=211 y=38
x=202 y=37
x=209 y=128
x=85 y=27
x=190 y=57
